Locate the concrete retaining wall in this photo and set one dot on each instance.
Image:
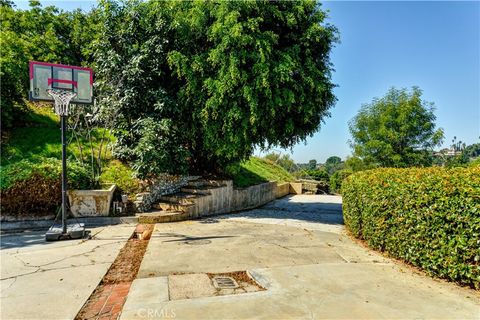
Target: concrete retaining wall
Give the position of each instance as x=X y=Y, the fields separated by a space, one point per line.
x=218 y=201
x=254 y=196
x=282 y=190
x=295 y=188
x=227 y=199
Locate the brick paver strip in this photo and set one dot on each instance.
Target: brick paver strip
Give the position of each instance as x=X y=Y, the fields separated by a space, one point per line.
x=107 y=300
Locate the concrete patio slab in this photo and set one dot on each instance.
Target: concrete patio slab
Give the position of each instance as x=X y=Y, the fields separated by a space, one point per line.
x=330 y=291
x=188 y=286
x=297 y=248
x=300 y=211
x=147 y=291
x=225 y=246
x=52 y=280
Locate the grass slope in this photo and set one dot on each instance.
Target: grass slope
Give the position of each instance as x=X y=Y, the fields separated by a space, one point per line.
x=257 y=170
x=36 y=144
x=40 y=138
x=30 y=147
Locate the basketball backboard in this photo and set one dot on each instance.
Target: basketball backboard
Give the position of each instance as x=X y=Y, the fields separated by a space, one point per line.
x=45 y=76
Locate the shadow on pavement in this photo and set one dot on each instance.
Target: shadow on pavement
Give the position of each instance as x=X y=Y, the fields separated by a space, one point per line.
x=22 y=239
x=314 y=208
x=187 y=239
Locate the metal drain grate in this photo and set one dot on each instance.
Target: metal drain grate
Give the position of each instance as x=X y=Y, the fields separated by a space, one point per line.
x=224 y=283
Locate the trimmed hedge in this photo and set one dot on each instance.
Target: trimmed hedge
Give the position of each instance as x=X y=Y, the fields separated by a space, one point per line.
x=336 y=179
x=429 y=217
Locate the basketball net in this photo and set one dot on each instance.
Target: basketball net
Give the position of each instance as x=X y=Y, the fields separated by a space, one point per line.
x=62 y=100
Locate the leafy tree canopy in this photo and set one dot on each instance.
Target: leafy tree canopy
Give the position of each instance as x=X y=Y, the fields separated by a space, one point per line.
x=229 y=76
x=283 y=161
x=201 y=83
x=333 y=164
x=43 y=34
x=355 y=164
x=333 y=160
x=472 y=150
x=312 y=164
x=397 y=130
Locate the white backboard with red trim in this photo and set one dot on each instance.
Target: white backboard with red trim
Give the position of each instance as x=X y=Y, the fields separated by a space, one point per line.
x=44 y=76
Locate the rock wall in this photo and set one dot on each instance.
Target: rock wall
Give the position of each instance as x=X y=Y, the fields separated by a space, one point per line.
x=165 y=184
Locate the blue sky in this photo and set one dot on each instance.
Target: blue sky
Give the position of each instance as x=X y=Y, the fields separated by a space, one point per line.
x=433 y=45
x=64 y=4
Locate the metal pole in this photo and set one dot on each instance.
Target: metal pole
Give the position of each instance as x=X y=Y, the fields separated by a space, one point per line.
x=64 y=174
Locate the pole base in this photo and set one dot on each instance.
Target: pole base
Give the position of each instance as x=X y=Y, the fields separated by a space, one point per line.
x=74 y=231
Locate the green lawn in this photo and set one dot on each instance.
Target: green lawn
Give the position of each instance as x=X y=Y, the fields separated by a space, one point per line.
x=35 y=146
x=39 y=138
x=256 y=170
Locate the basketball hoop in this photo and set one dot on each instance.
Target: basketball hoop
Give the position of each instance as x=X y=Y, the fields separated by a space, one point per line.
x=62 y=84
x=62 y=100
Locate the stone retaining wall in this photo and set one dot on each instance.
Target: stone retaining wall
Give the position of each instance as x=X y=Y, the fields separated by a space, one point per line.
x=165 y=184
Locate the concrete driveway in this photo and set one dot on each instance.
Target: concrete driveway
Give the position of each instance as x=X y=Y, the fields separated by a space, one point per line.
x=52 y=280
x=296 y=248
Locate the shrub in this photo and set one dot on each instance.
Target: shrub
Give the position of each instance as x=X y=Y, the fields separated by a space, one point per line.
x=337 y=178
x=475 y=163
x=429 y=217
x=315 y=174
x=34 y=189
x=123 y=176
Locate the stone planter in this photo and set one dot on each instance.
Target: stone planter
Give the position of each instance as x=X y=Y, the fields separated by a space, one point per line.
x=88 y=203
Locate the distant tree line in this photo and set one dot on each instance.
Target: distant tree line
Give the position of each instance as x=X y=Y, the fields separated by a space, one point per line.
x=397 y=130
x=328 y=174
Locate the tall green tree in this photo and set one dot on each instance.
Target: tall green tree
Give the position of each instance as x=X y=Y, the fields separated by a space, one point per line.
x=355 y=164
x=136 y=89
x=333 y=160
x=333 y=163
x=472 y=150
x=43 y=34
x=312 y=164
x=397 y=130
x=231 y=75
